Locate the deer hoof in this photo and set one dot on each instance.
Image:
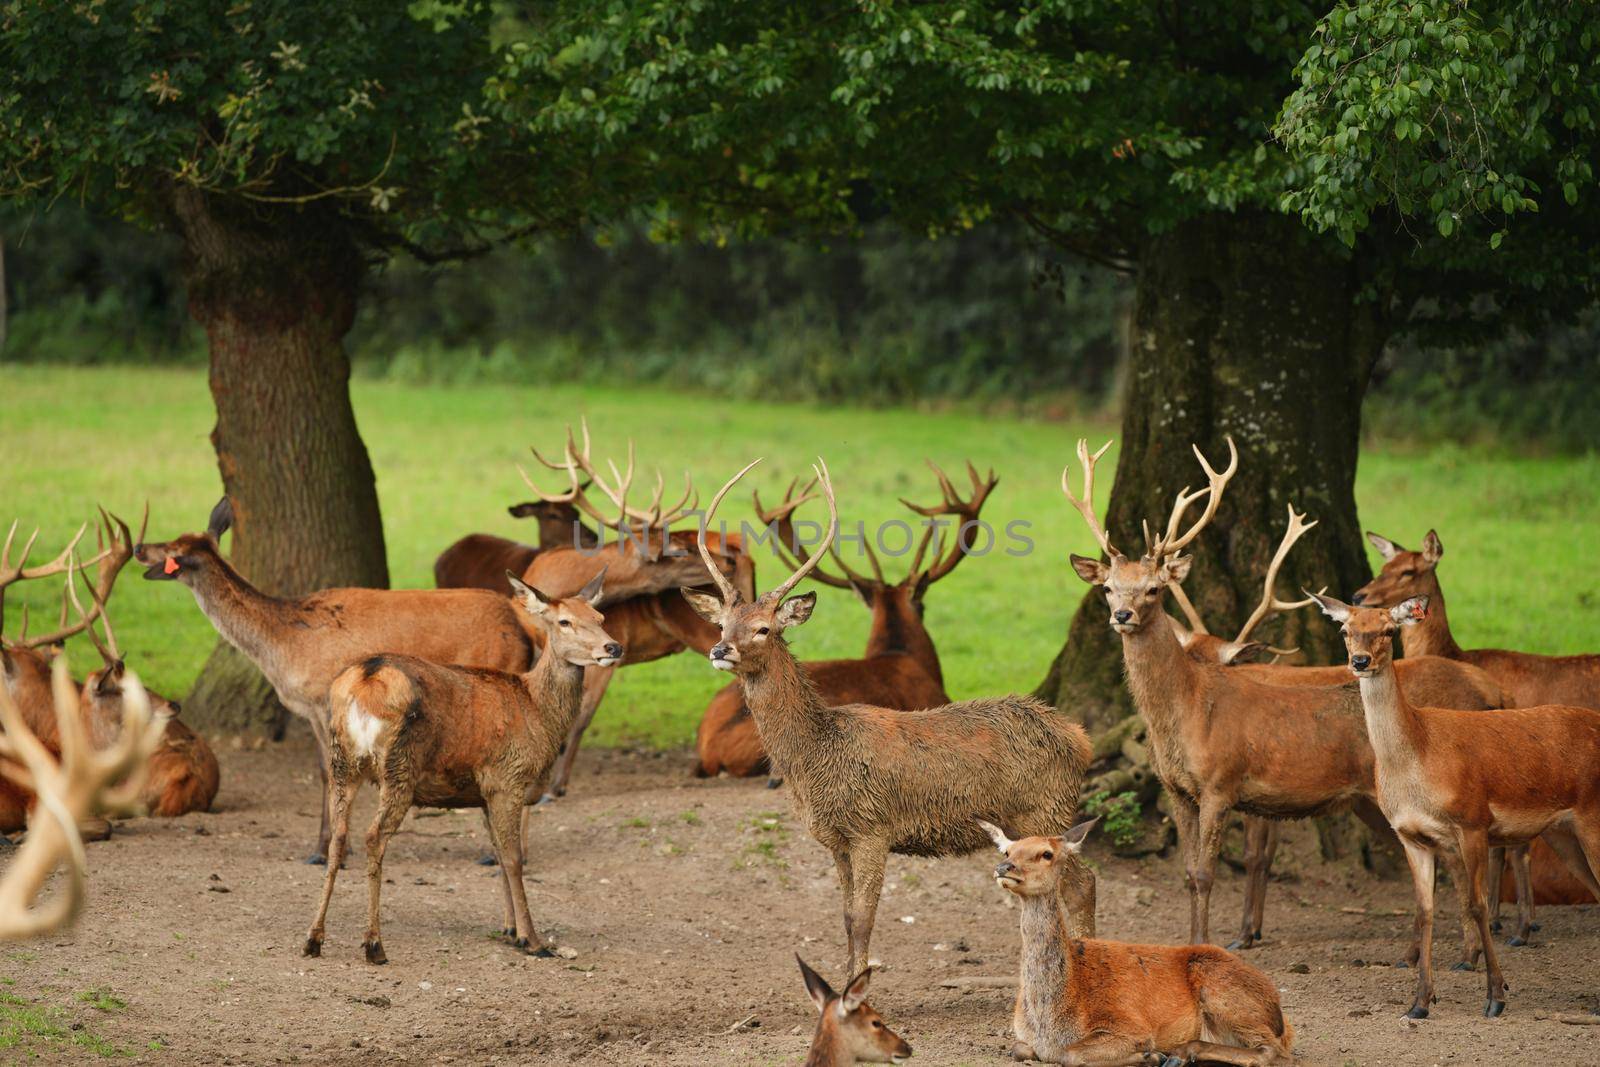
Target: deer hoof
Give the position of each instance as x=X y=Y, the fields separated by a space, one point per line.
x=774 y=783
x=1533 y=926
x=549 y=798
x=1417 y=1012
x=1494 y=927
x=1238 y=944
x=375 y=952
x=1461 y=965
x=487 y=860
x=1402 y=964
x=543 y=952
x=1173 y=1061
x=313 y=946
x=317 y=859
x=1493 y=1008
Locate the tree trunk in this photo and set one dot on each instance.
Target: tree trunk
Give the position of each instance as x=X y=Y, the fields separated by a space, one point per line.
x=275 y=290
x=4 y=307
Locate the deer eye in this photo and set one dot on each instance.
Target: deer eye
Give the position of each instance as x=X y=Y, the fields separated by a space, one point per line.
x=877 y=1024
x=565 y=622
x=1047 y=855
x=1153 y=592
x=762 y=632
x=1408 y=574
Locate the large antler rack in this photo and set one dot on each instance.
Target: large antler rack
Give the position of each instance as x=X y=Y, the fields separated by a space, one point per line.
x=1085 y=503
x=116 y=543
x=1270 y=604
x=729 y=593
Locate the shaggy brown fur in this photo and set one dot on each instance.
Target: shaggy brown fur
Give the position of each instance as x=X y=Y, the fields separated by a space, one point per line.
x=1440 y=793
x=848 y=1030
x=454 y=737
x=1112 y=1004
x=302 y=643
x=481 y=560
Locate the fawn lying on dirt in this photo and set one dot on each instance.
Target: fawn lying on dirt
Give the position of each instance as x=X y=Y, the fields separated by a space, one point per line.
x=848 y=1030
x=458 y=737
x=1108 y=1003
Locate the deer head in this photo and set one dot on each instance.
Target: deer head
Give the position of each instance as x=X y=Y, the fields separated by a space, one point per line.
x=1037 y=866
x=1369 y=632
x=750 y=629
x=848 y=1024
x=560 y=523
x=572 y=627
x=1404 y=574
x=191 y=557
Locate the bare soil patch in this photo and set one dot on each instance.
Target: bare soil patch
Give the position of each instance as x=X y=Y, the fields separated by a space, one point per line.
x=685 y=902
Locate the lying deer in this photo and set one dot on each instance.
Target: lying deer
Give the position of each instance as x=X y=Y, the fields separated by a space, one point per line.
x=1111 y=1004
x=1441 y=793
x=302 y=643
x=481 y=560
x=1307 y=752
x=900 y=668
x=868 y=780
x=458 y=737
x=1437 y=681
x=848 y=1030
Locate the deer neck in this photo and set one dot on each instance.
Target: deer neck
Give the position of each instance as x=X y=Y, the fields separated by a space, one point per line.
x=1393 y=725
x=785 y=705
x=247 y=618
x=827 y=1045
x=896 y=627
x=1046 y=956
x=1161 y=675
x=556 y=688
x=1430 y=636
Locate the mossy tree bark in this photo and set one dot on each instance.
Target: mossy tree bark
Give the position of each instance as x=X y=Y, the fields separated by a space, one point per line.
x=1245 y=327
x=275 y=291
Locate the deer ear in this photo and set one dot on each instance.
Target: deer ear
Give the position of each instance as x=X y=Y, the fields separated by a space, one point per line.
x=705 y=605
x=1072 y=840
x=856 y=992
x=795 y=610
x=1090 y=570
x=1337 y=610
x=816 y=986
x=535 y=601
x=523 y=510
x=593 y=591
x=1409 y=611
x=1386 y=548
x=1240 y=652
x=1432 y=548
x=1176 y=569
x=997 y=835
x=221 y=520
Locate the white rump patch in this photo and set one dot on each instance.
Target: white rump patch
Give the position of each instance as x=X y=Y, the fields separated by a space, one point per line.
x=363 y=730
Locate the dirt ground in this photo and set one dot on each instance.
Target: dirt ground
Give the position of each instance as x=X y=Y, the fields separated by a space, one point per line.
x=685 y=902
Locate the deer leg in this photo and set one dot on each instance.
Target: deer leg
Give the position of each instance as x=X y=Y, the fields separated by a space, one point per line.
x=344 y=792
x=1496 y=873
x=867 y=860
x=1211 y=1052
x=1522 y=875
x=1255 y=847
x=1213 y=815
x=1472 y=856
x=595 y=680
x=322 y=734
x=1269 y=853
x=508 y=925
x=505 y=821
x=392 y=808
x=1421 y=859
x=1186 y=819
x=1104 y=1050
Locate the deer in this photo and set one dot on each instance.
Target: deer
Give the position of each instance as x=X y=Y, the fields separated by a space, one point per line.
x=74 y=784
x=1099 y=1003
x=1308 y=753
x=481 y=560
x=900 y=666
x=848 y=1030
x=1441 y=682
x=868 y=780
x=457 y=737
x=1529 y=679
x=1442 y=795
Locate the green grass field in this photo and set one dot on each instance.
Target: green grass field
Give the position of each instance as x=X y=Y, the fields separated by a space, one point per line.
x=1522 y=534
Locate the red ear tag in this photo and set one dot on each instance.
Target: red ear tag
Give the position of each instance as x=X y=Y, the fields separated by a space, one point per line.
x=171 y=566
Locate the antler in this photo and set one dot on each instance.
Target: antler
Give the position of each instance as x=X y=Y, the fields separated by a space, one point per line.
x=728 y=591
x=966 y=512
x=1269 y=600
x=1170 y=543
x=116 y=548
x=1085 y=505
x=787 y=544
x=83 y=782
x=11 y=573
x=580 y=459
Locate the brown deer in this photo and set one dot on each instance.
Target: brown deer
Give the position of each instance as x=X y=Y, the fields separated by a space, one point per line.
x=481 y=560
x=458 y=737
x=1437 y=681
x=302 y=643
x=868 y=780
x=1112 y=1004
x=900 y=668
x=74 y=784
x=1308 y=752
x=1457 y=782
x=848 y=1030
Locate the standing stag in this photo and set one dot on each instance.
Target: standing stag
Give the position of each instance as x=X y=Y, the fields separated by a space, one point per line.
x=1221 y=740
x=1111 y=1004
x=458 y=737
x=869 y=780
x=1437 y=681
x=1441 y=793
x=901 y=666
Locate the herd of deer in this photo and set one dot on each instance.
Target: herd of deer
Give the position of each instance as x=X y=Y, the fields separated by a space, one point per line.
x=477 y=693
